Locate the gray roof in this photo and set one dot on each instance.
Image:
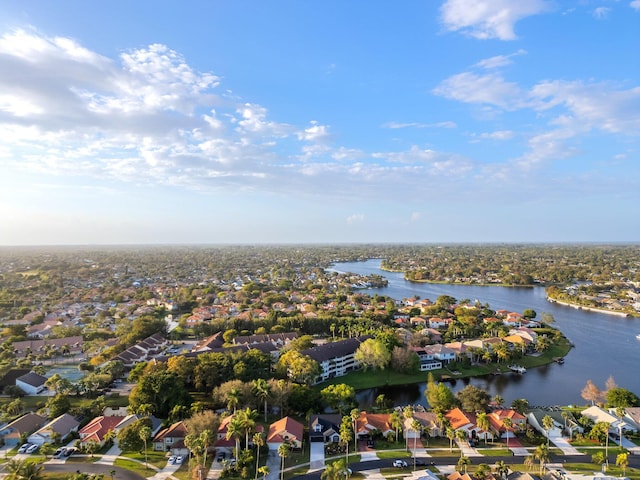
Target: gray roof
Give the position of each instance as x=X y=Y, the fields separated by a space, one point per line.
x=341 y=348
x=32 y=379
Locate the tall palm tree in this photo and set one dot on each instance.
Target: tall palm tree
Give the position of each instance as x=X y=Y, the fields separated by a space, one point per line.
x=248 y=421
x=463 y=462
x=498 y=400
x=451 y=435
x=24 y=470
x=508 y=424
x=258 y=441
x=283 y=451
x=484 y=423
x=461 y=436
x=416 y=426
x=207 y=437
x=345 y=436
x=547 y=424
x=333 y=471
x=541 y=453
x=620 y=413
x=355 y=415
x=262 y=390
x=235 y=430
x=396 y=422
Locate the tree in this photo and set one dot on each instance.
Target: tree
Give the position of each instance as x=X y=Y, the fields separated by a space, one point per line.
x=372 y=354
x=248 y=422
x=439 y=396
x=58 y=405
x=298 y=367
x=529 y=313
x=463 y=463
x=283 y=451
x=355 y=415
x=162 y=389
x=622 y=461
x=129 y=438
x=591 y=393
x=235 y=430
x=340 y=397
x=145 y=436
x=473 y=399
x=262 y=389
x=258 y=441
x=461 y=436
x=346 y=433
x=502 y=469
x=334 y=471
x=207 y=437
x=483 y=471
x=483 y=423
x=416 y=426
x=547 y=424
x=520 y=405
x=621 y=397
x=451 y=435
x=264 y=471
x=396 y=422
x=508 y=424
x=24 y=470
x=541 y=453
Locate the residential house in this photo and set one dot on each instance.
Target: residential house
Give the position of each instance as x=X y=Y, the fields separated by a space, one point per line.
x=12 y=433
x=336 y=358
x=143 y=351
x=229 y=444
x=497 y=419
x=31 y=383
x=285 y=430
x=325 y=428
x=534 y=418
x=632 y=417
x=467 y=422
x=442 y=353
x=427 y=359
x=59 y=428
x=171 y=439
x=68 y=345
x=428 y=426
x=597 y=414
x=369 y=423
x=97 y=430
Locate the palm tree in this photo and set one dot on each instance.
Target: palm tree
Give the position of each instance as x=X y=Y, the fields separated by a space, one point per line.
x=502 y=469
x=24 y=470
x=463 y=462
x=145 y=435
x=498 y=400
x=235 y=430
x=264 y=471
x=547 y=424
x=622 y=460
x=416 y=426
x=263 y=392
x=248 y=421
x=233 y=399
x=541 y=454
x=482 y=420
x=112 y=473
x=258 y=441
x=508 y=424
x=333 y=471
x=529 y=461
x=345 y=436
x=396 y=422
x=283 y=451
x=461 y=436
x=620 y=413
x=355 y=414
x=206 y=437
x=451 y=435
x=482 y=472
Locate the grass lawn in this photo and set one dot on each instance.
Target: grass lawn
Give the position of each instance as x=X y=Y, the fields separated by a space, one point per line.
x=157 y=459
x=612 y=471
x=495 y=451
x=134 y=467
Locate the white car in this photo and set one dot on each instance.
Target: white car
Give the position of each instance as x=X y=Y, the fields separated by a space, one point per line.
x=32 y=449
x=179 y=459
x=172 y=459
x=400 y=464
x=23 y=447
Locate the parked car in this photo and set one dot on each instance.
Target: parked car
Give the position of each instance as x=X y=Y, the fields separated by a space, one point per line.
x=221 y=456
x=172 y=459
x=400 y=463
x=69 y=451
x=32 y=448
x=179 y=459
x=23 y=447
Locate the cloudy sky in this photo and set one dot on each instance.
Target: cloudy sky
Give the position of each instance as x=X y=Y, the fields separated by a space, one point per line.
x=319 y=121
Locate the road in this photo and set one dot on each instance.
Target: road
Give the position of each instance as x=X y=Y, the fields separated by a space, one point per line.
x=634 y=461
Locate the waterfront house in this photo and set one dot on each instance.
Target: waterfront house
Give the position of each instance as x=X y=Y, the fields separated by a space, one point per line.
x=369 y=423
x=336 y=358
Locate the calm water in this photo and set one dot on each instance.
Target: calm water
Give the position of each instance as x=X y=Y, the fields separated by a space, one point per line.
x=605 y=344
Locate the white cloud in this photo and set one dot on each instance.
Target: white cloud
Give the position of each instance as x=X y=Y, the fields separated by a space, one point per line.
x=490 y=89
x=635 y=4
x=315 y=133
x=355 y=218
x=485 y=19
x=398 y=125
x=415 y=216
x=600 y=13
x=499 y=60
x=497 y=135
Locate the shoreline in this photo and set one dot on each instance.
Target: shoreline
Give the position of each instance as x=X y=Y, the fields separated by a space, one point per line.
x=589 y=309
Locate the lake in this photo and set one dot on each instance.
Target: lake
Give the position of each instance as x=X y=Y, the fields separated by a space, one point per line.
x=605 y=345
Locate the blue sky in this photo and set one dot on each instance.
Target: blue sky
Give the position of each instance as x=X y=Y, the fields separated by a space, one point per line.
x=321 y=122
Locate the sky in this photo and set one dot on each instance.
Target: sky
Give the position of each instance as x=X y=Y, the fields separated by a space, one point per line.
x=253 y=122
